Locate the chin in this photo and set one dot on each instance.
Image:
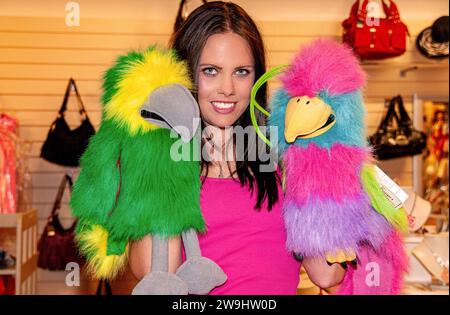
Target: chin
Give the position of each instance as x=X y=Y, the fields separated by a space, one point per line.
x=221 y=122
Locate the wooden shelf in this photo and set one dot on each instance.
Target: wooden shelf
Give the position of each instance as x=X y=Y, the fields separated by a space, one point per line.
x=25 y=270
x=422 y=65
x=8 y=271
x=405 y=67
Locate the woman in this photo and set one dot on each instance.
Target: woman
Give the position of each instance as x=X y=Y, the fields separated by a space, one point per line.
x=240 y=203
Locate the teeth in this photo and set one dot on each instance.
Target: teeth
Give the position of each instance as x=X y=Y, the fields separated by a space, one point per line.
x=222 y=105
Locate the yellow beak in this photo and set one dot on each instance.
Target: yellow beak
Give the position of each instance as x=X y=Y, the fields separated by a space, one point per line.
x=307 y=118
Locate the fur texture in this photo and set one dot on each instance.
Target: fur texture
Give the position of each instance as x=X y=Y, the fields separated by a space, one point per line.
x=133 y=78
x=324 y=226
x=92 y=242
x=316 y=172
x=349 y=128
x=158 y=195
x=325 y=200
x=323 y=66
x=129 y=186
x=383 y=206
x=331 y=203
x=384 y=273
x=95 y=190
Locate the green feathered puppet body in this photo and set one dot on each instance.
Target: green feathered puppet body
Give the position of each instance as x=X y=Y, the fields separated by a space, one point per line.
x=135 y=177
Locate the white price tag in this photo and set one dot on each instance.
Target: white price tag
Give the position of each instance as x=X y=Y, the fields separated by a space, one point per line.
x=393 y=192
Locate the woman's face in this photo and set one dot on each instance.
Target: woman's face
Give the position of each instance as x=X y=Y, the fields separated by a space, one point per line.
x=226 y=74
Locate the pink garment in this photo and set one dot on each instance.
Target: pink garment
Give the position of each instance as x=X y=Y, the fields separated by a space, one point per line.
x=249 y=245
x=378 y=273
x=8 y=190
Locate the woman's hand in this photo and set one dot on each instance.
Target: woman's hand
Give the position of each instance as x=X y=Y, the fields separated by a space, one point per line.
x=322 y=274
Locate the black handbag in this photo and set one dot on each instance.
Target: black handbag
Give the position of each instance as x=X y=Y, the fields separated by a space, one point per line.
x=64 y=146
x=396 y=136
x=57 y=246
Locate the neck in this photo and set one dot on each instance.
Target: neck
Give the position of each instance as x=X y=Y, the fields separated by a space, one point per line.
x=218 y=149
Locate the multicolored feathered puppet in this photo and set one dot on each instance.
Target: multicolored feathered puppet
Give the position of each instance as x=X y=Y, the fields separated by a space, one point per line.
x=133 y=181
x=334 y=207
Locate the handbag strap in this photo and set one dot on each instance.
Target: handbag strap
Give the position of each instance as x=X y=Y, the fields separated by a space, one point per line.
x=404 y=118
x=81 y=108
x=390 y=11
x=179 y=20
x=67 y=179
x=390 y=114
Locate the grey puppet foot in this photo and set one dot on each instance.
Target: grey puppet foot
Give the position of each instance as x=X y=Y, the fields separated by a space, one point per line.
x=201 y=274
x=161 y=283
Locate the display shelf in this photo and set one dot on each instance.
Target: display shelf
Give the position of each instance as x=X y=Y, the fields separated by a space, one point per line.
x=405 y=68
x=25 y=270
x=8 y=271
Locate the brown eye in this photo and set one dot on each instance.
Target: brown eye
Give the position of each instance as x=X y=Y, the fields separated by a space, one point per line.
x=298 y=100
x=307 y=102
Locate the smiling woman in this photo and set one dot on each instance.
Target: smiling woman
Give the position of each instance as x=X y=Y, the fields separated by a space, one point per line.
x=245 y=231
x=225 y=75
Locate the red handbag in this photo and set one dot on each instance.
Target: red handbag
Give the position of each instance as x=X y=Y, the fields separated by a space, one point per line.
x=57 y=245
x=375 y=38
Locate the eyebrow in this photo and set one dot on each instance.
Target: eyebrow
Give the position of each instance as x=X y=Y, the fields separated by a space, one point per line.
x=220 y=68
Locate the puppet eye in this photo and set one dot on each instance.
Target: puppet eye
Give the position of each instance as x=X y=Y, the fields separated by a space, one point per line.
x=307 y=102
x=298 y=100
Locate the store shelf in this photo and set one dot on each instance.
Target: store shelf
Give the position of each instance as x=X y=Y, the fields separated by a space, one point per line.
x=25 y=270
x=422 y=65
x=8 y=271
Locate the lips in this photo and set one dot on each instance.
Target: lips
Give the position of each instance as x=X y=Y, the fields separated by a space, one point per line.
x=223 y=107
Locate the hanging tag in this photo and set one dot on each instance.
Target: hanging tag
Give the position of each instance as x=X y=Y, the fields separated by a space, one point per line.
x=393 y=192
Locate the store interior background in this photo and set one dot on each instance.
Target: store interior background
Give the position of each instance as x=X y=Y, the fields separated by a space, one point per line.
x=39 y=52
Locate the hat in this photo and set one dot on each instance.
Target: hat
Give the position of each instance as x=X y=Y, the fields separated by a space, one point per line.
x=433 y=254
x=432 y=42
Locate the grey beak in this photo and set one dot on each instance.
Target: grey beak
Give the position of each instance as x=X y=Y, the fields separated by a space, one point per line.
x=173 y=107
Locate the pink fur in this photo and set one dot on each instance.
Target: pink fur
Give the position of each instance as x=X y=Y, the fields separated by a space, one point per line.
x=323 y=173
x=393 y=264
x=324 y=65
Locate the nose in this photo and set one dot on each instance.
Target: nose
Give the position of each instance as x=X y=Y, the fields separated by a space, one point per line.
x=226 y=86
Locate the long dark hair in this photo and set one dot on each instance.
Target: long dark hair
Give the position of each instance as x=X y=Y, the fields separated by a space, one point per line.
x=188 y=41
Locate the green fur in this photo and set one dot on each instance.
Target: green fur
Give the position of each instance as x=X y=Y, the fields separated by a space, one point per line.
x=158 y=195
x=397 y=217
x=91 y=200
x=114 y=74
x=149 y=193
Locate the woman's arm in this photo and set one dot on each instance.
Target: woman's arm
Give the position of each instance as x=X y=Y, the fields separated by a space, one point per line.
x=141 y=256
x=321 y=274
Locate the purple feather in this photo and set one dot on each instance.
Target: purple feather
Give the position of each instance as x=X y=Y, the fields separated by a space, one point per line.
x=323 y=226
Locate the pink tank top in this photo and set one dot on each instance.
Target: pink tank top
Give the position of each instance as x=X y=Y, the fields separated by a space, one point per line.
x=249 y=245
